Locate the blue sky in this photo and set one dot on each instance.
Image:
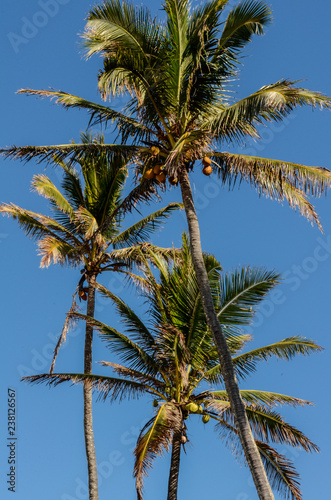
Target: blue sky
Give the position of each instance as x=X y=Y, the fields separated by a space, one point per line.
x=40 y=49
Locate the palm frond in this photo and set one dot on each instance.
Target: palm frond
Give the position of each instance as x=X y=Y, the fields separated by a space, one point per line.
x=276 y=179
x=69 y=323
x=242 y=291
x=133 y=324
x=88 y=225
x=129 y=351
x=311 y=180
x=265 y=398
x=66 y=152
x=270 y=103
x=135 y=375
x=45 y=187
x=141 y=230
x=38 y=226
x=132 y=254
x=244 y=21
x=154 y=439
x=177 y=27
x=280 y=470
x=269 y=426
x=98 y=113
x=54 y=250
x=111 y=388
x=71 y=185
x=285 y=349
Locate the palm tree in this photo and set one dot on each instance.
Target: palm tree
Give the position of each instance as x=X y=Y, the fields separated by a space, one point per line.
x=172 y=357
x=178 y=75
x=88 y=200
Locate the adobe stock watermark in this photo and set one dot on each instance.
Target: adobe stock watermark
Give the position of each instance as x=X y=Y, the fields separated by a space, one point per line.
x=30 y=27
x=293 y=279
x=105 y=470
x=287 y=452
x=41 y=358
x=3 y=236
x=116 y=285
x=212 y=188
x=109 y=465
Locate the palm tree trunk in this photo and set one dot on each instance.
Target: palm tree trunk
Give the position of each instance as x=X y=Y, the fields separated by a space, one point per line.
x=174 y=466
x=88 y=422
x=244 y=431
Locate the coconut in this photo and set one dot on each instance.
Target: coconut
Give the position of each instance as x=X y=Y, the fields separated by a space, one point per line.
x=155 y=403
x=207 y=170
x=173 y=181
x=155 y=150
x=157 y=169
x=82 y=294
x=206 y=419
x=184 y=439
x=206 y=161
x=149 y=174
x=161 y=177
x=192 y=407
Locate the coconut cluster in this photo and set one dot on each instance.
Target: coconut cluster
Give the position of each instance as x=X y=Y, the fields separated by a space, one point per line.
x=207 y=168
x=195 y=408
x=157 y=170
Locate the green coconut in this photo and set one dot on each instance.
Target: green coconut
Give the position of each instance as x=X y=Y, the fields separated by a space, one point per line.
x=192 y=407
x=206 y=419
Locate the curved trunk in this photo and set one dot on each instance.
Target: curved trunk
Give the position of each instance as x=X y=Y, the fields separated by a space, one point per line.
x=174 y=466
x=88 y=422
x=241 y=421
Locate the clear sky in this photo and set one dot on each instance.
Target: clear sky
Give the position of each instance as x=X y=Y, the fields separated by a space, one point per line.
x=40 y=49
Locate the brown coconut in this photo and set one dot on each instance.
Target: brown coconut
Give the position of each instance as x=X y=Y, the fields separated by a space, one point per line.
x=206 y=161
x=149 y=174
x=82 y=294
x=161 y=177
x=155 y=150
x=157 y=169
x=207 y=170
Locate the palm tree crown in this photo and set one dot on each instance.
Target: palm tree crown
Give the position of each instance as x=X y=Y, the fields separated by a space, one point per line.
x=172 y=357
x=178 y=74
x=87 y=216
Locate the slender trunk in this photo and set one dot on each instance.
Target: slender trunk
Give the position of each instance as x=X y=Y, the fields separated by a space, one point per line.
x=88 y=422
x=241 y=421
x=174 y=466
